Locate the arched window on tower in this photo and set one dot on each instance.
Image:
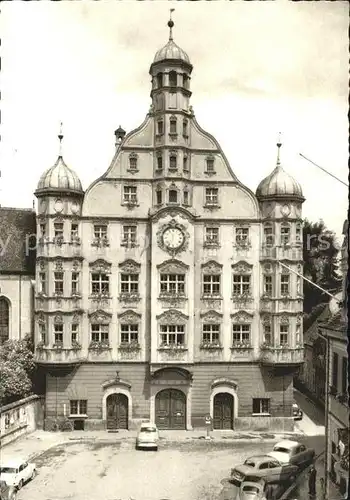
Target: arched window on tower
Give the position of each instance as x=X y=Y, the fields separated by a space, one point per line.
x=159 y=200
x=173 y=196
x=172 y=79
x=173 y=125
x=4 y=320
x=159 y=161
x=172 y=161
x=160 y=80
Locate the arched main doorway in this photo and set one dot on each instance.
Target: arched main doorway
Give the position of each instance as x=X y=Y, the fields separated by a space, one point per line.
x=4 y=320
x=117 y=411
x=170 y=409
x=223 y=411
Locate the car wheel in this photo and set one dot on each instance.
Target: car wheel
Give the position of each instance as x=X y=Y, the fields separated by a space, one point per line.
x=20 y=484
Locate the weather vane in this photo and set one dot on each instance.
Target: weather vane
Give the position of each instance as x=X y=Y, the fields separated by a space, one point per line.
x=279 y=144
x=60 y=137
x=171 y=25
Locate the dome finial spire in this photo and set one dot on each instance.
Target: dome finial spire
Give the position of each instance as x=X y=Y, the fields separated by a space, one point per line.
x=171 y=25
x=60 y=138
x=279 y=144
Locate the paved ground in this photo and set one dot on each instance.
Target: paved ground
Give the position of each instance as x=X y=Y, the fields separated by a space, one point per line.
x=313 y=420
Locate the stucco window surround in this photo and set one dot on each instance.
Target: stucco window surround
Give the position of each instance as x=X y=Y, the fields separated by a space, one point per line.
x=172 y=267
x=211 y=326
x=186 y=389
x=171 y=194
x=220 y=386
x=130 y=318
x=172 y=320
x=173 y=126
x=129 y=279
x=241 y=326
x=99 y=234
x=211 y=279
x=185 y=128
x=186 y=195
x=129 y=195
x=159 y=161
x=209 y=168
x=242 y=235
x=158 y=195
x=242 y=281
x=211 y=235
x=5 y=319
x=267 y=331
x=268 y=239
x=116 y=386
x=285 y=234
x=133 y=162
x=173 y=161
x=211 y=197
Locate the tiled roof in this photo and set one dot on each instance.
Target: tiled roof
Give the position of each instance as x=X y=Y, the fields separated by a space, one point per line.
x=311 y=333
x=16 y=225
x=337 y=325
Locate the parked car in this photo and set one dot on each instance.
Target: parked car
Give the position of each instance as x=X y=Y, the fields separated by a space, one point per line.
x=297 y=413
x=263 y=467
x=7 y=492
x=293 y=453
x=252 y=489
x=148 y=436
x=17 y=472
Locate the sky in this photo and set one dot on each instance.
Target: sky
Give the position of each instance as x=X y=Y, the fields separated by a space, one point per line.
x=259 y=68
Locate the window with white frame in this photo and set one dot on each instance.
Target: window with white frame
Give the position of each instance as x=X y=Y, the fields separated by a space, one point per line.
x=211 y=284
x=261 y=405
x=58 y=282
x=129 y=334
x=173 y=195
x=209 y=165
x=75 y=283
x=242 y=235
x=130 y=194
x=58 y=334
x=268 y=288
x=241 y=284
x=172 y=335
x=172 y=162
x=285 y=235
x=74 y=333
x=78 y=407
x=210 y=333
x=58 y=230
x=42 y=333
x=99 y=283
x=285 y=279
x=211 y=196
x=284 y=333
x=240 y=334
x=268 y=236
x=74 y=231
x=129 y=234
x=172 y=283
x=129 y=283
x=100 y=231
x=42 y=283
x=212 y=235
x=100 y=333
x=267 y=334
x=173 y=125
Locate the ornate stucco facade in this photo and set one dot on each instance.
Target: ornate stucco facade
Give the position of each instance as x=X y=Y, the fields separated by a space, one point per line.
x=160 y=293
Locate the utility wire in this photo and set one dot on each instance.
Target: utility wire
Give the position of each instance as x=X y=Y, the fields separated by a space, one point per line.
x=324 y=170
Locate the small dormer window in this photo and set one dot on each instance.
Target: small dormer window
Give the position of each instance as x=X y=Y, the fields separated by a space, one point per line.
x=160 y=80
x=159 y=196
x=133 y=161
x=160 y=126
x=172 y=162
x=185 y=128
x=172 y=79
x=172 y=196
x=210 y=165
x=173 y=127
x=159 y=162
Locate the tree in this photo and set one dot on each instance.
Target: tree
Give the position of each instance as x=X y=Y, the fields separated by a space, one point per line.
x=16 y=369
x=320 y=252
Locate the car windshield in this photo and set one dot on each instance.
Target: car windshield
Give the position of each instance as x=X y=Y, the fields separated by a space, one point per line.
x=250 y=463
x=281 y=449
x=252 y=489
x=148 y=429
x=8 y=470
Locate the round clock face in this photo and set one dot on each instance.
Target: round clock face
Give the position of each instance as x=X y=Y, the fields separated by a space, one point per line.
x=173 y=237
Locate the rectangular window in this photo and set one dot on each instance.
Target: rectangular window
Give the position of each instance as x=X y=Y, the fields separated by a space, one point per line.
x=211 y=284
x=285 y=235
x=172 y=283
x=132 y=162
x=261 y=405
x=172 y=162
x=268 y=236
x=129 y=334
x=267 y=335
x=159 y=162
x=240 y=334
x=130 y=194
x=58 y=230
x=284 y=284
x=241 y=284
x=172 y=335
x=185 y=163
x=211 y=196
x=242 y=235
x=42 y=283
x=173 y=127
x=100 y=231
x=210 y=165
x=159 y=197
x=268 y=285
x=58 y=283
x=58 y=333
x=74 y=333
x=185 y=128
x=172 y=196
x=100 y=333
x=185 y=197
x=284 y=333
x=42 y=228
x=75 y=283
x=212 y=235
x=74 y=231
x=160 y=126
x=78 y=406
x=129 y=283
x=42 y=333
x=99 y=283
x=298 y=233
x=335 y=364
x=344 y=381
x=211 y=334
x=129 y=234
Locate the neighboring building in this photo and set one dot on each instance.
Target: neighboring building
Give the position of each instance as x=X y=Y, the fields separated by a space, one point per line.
x=17 y=272
x=335 y=334
x=159 y=290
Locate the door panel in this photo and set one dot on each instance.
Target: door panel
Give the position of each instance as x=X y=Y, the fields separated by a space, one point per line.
x=117 y=411
x=223 y=411
x=171 y=409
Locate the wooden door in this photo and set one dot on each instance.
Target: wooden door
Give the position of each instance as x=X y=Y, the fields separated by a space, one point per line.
x=223 y=411
x=117 y=411
x=171 y=409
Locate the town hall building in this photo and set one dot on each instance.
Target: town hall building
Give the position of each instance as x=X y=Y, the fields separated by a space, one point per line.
x=160 y=290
